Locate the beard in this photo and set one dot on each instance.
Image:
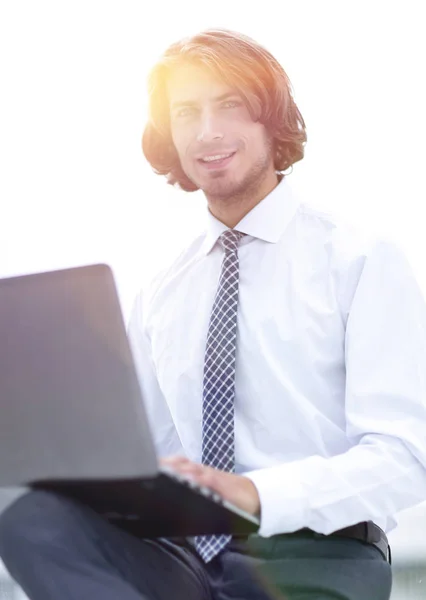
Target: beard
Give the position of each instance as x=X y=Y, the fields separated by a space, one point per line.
x=222 y=187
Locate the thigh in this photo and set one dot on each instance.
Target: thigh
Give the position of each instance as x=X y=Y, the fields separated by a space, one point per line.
x=304 y=569
x=329 y=568
x=70 y=546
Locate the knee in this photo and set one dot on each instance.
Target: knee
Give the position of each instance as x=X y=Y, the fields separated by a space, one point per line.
x=35 y=519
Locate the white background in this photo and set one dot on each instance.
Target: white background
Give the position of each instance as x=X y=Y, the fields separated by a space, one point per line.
x=74 y=187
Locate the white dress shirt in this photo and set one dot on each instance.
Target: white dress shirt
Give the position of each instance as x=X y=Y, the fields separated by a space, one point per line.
x=330 y=384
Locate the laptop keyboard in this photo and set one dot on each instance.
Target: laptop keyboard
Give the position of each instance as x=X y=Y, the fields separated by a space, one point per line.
x=188 y=482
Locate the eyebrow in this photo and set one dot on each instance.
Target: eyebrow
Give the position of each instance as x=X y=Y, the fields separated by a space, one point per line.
x=220 y=98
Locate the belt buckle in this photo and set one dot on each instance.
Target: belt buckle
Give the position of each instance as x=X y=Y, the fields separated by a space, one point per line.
x=374 y=536
x=373 y=533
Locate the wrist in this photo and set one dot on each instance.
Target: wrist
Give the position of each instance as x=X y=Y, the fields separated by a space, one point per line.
x=255 y=508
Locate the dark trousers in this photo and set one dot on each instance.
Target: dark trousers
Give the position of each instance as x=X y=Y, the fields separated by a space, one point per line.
x=57 y=549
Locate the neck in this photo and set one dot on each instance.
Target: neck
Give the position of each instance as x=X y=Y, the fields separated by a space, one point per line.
x=231 y=210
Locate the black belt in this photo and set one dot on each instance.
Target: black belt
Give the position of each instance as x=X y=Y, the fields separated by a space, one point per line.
x=367 y=532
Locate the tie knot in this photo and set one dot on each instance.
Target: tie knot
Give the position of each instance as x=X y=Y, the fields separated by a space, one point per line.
x=230 y=239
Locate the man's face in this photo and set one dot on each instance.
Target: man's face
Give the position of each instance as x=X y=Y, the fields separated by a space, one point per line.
x=221 y=149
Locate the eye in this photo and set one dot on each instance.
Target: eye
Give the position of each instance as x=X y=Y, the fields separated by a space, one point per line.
x=231 y=104
x=186 y=111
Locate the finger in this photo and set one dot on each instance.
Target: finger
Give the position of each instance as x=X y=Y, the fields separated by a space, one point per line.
x=208 y=477
x=175 y=460
x=184 y=466
x=190 y=469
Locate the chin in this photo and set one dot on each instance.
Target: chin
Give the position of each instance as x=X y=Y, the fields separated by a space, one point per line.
x=221 y=189
x=222 y=184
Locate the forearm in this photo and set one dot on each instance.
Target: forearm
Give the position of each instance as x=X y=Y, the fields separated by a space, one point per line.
x=375 y=479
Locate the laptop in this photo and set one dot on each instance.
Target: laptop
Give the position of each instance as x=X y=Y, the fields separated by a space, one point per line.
x=72 y=416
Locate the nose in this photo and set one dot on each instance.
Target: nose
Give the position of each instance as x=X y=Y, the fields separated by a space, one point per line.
x=209 y=128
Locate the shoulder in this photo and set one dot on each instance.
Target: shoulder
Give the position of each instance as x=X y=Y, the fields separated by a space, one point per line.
x=347 y=243
x=343 y=236
x=350 y=250
x=168 y=274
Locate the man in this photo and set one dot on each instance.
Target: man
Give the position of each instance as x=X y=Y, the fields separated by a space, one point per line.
x=282 y=359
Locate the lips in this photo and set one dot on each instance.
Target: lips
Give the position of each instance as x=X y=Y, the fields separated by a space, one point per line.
x=217 y=160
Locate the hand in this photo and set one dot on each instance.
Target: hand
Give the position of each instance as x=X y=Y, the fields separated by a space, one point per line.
x=237 y=489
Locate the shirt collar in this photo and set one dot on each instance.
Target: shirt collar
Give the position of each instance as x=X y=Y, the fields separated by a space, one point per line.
x=266 y=221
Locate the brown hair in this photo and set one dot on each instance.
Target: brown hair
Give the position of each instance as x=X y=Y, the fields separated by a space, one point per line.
x=246 y=65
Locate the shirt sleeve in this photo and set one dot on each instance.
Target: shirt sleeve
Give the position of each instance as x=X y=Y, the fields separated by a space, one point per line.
x=162 y=427
x=384 y=471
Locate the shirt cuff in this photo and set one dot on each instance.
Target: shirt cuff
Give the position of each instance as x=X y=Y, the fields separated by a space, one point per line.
x=283 y=500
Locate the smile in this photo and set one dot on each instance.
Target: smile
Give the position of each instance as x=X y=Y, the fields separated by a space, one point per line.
x=216 y=160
